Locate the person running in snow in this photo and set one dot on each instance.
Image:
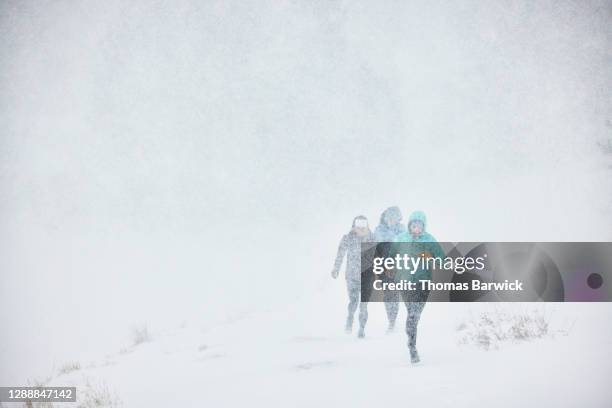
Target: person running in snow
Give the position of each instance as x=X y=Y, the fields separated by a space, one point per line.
x=388 y=229
x=423 y=244
x=350 y=245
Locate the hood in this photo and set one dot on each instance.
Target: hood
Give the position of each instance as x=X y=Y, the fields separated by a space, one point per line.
x=418 y=216
x=390 y=211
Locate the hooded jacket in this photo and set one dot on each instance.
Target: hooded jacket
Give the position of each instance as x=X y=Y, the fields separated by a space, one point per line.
x=424 y=243
x=385 y=232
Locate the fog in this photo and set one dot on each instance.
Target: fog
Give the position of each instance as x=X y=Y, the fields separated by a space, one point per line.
x=169 y=163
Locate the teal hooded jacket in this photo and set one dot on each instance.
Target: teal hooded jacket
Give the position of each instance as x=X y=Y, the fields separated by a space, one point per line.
x=424 y=243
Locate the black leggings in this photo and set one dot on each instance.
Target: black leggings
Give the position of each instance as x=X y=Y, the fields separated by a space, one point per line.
x=415 y=303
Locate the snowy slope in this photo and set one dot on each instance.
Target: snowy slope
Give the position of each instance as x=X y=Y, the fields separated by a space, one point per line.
x=300 y=357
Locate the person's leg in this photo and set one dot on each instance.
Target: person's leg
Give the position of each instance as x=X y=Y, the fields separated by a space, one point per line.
x=414 y=310
x=363 y=318
x=391 y=299
x=353 y=293
x=412 y=320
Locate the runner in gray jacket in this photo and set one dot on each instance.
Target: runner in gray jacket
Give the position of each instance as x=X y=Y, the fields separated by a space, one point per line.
x=350 y=246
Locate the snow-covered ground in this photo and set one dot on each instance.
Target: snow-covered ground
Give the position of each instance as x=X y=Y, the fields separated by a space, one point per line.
x=299 y=356
x=198 y=162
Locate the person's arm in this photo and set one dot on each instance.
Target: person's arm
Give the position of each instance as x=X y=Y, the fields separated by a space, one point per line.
x=378 y=233
x=436 y=248
x=342 y=248
x=392 y=249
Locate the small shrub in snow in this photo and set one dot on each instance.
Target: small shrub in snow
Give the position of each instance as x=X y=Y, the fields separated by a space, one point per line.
x=69 y=367
x=125 y=350
x=88 y=396
x=140 y=335
x=38 y=405
x=97 y=396
x=30 y=404
x=490 y=328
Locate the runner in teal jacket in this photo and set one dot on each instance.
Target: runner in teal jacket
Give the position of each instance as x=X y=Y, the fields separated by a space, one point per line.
x=422 y=242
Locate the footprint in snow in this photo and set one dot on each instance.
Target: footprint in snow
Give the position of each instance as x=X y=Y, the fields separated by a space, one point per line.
x=211 y=357
x=311 y=365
